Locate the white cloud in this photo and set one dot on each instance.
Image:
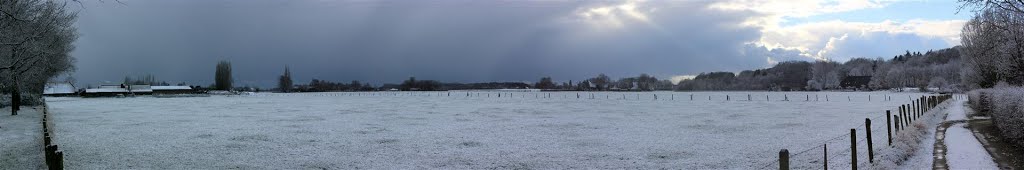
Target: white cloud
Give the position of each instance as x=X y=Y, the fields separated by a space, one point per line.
x=820 y=40
x=615 y=15
x=799 y=8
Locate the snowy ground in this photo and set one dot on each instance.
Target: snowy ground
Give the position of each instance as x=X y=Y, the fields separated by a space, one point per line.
x=403 y=131
x=963 y=149
x=21 y=139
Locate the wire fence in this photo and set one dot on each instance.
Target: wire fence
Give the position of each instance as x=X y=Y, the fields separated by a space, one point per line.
x=839 y=152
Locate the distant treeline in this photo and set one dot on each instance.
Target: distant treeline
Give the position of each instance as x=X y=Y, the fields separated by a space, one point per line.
x=934 y=69
x=602 y=82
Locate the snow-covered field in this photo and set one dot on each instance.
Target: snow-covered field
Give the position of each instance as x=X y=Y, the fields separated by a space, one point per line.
x=437 y=131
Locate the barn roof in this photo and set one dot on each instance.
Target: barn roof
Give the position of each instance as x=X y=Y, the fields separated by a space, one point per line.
x=59 y=88
x=171 y=88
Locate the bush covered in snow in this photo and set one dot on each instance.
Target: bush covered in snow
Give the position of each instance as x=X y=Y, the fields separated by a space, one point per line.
x=1006 y=106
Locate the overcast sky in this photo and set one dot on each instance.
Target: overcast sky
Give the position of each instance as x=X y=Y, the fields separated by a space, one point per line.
x=477 y=41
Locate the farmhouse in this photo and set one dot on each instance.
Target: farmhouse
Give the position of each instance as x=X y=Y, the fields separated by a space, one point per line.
x=172 y=90
x=59 y=89
x=117 y=90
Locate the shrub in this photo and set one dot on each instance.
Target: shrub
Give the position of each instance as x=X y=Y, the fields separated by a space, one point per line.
x=26 y=100
x=1006 y=106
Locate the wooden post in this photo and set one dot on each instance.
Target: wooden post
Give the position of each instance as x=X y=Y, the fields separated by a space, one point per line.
x=853 y=148
x=748 y=97
x=867 y=131
x=903 y=114
x=58 y=160
x=888 y=125
x=825 y=155
x=784 y=159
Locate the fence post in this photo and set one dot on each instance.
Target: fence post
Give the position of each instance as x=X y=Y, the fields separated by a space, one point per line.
x=888 y=125
x=905 y=116
x=59 y=162
x=853 y=148
x=825 y=155
x=784 y=159
x=867 y=131
x=899 y=122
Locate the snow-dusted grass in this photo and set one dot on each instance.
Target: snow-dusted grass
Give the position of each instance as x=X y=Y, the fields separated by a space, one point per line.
x=399 y=131
x=964 y=151
x=912 y=147
x=21 y=139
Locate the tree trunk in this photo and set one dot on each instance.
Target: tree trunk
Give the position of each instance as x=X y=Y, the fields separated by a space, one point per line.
x=15 y=98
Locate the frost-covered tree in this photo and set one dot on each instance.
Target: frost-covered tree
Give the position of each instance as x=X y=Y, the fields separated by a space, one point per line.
x=601 y=81
x=938 y=83
x=36 y=38
x=993 y=43
x=825 y=75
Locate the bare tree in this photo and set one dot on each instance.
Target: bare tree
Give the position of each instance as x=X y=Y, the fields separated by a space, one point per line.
x=601 y=81
x=36 y=38
x=993 y=45
x=824 y=74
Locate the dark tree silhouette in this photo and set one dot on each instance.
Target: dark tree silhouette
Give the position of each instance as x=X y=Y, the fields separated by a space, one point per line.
x=222 y=77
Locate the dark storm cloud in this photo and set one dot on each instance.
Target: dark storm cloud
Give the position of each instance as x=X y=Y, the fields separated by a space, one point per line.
x=387 y=41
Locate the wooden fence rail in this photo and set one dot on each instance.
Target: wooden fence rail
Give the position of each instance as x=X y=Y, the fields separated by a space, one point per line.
x=53 y=155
